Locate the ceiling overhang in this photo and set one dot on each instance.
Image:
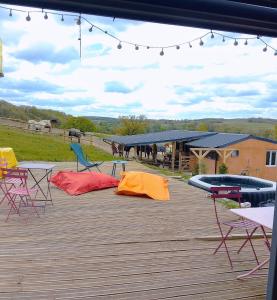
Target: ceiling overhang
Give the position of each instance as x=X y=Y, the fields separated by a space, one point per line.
x=258 y=17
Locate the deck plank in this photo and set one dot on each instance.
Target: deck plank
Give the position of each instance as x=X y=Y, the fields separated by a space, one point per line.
x=103 y=246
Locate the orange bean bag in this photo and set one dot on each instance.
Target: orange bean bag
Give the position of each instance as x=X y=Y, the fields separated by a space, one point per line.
x=143 y=184
x=75 y=183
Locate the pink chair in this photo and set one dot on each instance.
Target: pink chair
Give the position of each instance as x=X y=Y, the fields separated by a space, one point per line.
x=248 y=226
x=9 y=183
x=27 y=196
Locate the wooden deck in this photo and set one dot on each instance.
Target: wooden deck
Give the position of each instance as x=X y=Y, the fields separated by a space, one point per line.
x=103 y=246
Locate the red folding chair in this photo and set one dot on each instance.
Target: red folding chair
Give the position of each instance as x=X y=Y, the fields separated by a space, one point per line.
x=27 y=196
x=8 y=183
x=232 y=192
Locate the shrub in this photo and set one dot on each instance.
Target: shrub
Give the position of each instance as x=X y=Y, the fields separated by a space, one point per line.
x=223 y=169
x=200 y=168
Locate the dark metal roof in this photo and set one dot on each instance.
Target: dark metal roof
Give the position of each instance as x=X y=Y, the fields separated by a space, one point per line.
x=258 y=17
x=158 y=137
x=224 y=139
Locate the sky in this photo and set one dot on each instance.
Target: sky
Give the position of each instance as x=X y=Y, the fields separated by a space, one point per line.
x=43 y=68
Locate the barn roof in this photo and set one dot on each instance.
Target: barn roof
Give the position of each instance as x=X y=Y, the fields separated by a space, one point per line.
x=158 y=137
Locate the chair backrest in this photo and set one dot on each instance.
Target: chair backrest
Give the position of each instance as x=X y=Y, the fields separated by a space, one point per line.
x=21 y=174
x=77 y=149
x=225 y=192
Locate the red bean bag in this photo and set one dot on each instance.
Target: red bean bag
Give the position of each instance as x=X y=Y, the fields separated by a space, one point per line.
x=75 y=183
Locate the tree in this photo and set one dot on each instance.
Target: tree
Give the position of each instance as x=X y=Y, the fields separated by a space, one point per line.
x=132 y=125
x=202 y=127
x=80 y=123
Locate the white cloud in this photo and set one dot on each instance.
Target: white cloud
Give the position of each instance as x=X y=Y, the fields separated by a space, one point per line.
x=216 y=80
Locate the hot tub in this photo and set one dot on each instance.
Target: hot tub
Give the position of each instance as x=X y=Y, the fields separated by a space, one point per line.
x=255 y=190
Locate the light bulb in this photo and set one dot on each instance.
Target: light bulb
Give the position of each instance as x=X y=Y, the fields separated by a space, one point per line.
x=162 y=52
x=236 y=43
x=246 y=43
x=177 y=47
x=265 y=49
x=79 y=21
x=190 y=45
x=62 y=19
x=147 y=47
x=119 y=46
x=10 y=14
x=212 y=35
x=201 y=43
x=28 y=18
x=275 y=53
x=45 y=16
x=223 y=39
x=90 y=30
x=136 y=47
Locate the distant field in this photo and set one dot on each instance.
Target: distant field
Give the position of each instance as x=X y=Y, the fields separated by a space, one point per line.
x=32 y=146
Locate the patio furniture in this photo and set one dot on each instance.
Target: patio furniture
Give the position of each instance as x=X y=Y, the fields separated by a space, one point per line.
x=76 y=183
x=47 y=170
x=143 y=184
x=26 y=195
x=118 y=162
x=80 y=158
x=9 y=182
x=249 y=226
x=262 y=216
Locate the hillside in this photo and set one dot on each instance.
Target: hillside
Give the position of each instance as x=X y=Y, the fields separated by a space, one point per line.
x=256 y=126
x=25 y=113
x=29 y=146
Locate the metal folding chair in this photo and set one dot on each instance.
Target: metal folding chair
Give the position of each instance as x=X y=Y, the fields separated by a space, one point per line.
x=27 y=196
x=249 y=226
x=9 y=182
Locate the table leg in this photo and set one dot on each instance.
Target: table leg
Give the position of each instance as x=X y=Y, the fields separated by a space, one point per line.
x=37 y=183
x=113 y=170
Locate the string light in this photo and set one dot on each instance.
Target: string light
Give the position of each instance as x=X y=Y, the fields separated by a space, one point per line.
x=78 y=22
x=79 y=19
x=28 y=18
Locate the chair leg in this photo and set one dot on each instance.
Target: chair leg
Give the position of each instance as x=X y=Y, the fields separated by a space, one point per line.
x=247 y=239
x=223 y=242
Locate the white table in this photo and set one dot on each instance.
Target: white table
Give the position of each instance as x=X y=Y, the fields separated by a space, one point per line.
x=261 y=215
x=47 y=168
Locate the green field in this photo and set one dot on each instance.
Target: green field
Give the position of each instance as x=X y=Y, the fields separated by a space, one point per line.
x=34 y=146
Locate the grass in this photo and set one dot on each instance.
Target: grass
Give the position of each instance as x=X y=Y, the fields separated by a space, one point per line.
x=229 y=203
x=39 y=147
x=168 y=172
